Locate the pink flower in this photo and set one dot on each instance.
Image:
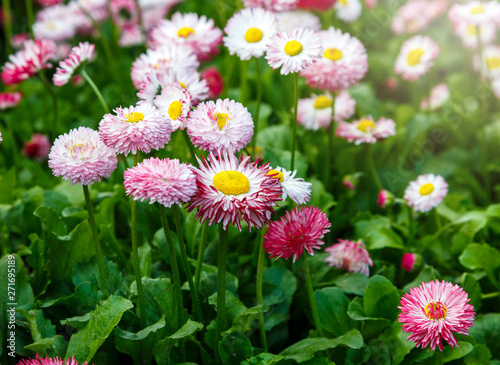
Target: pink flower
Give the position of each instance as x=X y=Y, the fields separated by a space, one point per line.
x=233 y=191
x=46 y=3
x=164 y=181
x=82 y=53
x=81 y=157
x=319 y=5
x=350 y=182
x=49 y=361
x=349 y=255
x=366 y=130
x=272 y=5
x=433 y=311
x=124 y=12
x=385 y=198
x=9 y=100
x=37 y=147
x=214 y=80
x=25 y=63
x=18 y=40
x=298 y=230
x=411 y=261
x=475 y=12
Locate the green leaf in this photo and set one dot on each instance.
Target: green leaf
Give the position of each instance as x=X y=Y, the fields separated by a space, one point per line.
x=352 y=283
x=305 y=349
x=264 y=358
x=486 y=330
x=7 y=184
x=463 y=349
x=243 y=322
x=381 y=298
x=332 y=307
x=234 y=348
x=377 y=233
x=51 y=221
x=371 y=326
x=480 y=355
x=279 y=287
x=473 y=289
x=397 y=342
x=234 y=306
x=49 y=347
x=187 y=329
x=85 y=343
x=38 y=325
x=481 y=256
x=426 y=275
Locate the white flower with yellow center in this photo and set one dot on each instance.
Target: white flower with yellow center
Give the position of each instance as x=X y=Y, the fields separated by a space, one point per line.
x=469 y=33
x=289 y=20
x=366 y=130
x=293 y=51
x=175 y=103
x=348 y=10
x=476 y=12
x=55 y=23
x=316 y=112
x=296 y=188
x=248 y=32
x=495 y=85
x=426 y=192
x=439 y=95
x=491 y=62
x=416 y=57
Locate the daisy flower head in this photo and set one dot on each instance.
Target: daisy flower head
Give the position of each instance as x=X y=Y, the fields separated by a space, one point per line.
x=293 y=51
x=220 y=125
x=214 y=81
x=34 y=57
x=475 y=12
x=248 y=32
x=416 y=57
x=37 y=148
x=175 y=103
x=385 y=198
x=55 y=23
x=416 y=15
x=438 y=97
x=18 y=40
x=81 y=157
x=426 y=192
x=320 y=5
x=233 y=191
x=366 y=130
x=298 y=230
x=296 y=188
x=344 y=62
x=79 y=55
x=124 y=12
x=348 y=10
x=49 y=361
x=164 y=181
x=490 y=62
x=411 y=261
x=432 y=311
x=131 y=35
x=289 y=20
x=140 y=127
x=9 y=100
x=198 y=33
x=469 y=33
x=276 y=6
x=316 y=112
x=349 y=255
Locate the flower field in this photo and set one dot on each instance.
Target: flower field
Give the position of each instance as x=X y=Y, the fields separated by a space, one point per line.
x=251 y=182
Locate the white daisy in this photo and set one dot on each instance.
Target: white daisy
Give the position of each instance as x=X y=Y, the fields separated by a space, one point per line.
x=366 y=130
x=296 y=188
x=476 y=12
x=348 y=10
x=426 y=192
x=175 y=103
x=491 y=62
x=468 y=33
x=54 y=23
x=289 y=20
x=416 y=57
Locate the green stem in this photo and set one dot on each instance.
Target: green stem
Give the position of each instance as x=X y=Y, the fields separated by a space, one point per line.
x=294 y=121
x=29 y=14
x=175 y=267
x=201 y=254
x=257 y=105
x=52 y=131
x=329 y=157
x=185 y=263
x=135 y=258
x=7 y=21
x=439 y=355
x=371 y=162
x=411 y=226
x=437 y=218
x=310 y=295
x=436 y=235
x=243 y=81
x=490 y=295
x=96 y=90
x=97 y=244
x=259 y=291
x=221 y=282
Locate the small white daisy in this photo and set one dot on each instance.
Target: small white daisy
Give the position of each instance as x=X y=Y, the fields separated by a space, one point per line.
x=468 y=33
x=366 y=130
x=54 y=23
x=289 y=20
x=416 y=57
x=348 y=10
x=475 y=12
x=175 y=103
x=439 y=95
x=316 y=112
x=491 y=62
x=296 y=188
x=426 y=192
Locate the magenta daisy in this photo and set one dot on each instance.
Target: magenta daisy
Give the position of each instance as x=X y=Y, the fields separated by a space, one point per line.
x=296 y=188
x=79 y=55
x=293 y=51
x=298 y=230
x=164 y=181
x=198 y=33
x=175 y=103
x=9 y=100
x=140 y=127
x=416 y=57
x=233 y=191
x=276 y=6
x=344 y=62
x=432 y=311
x=349 y=255
x=366 y=130
x=37 y=148
x=49 y=361
x=220 y=126
x=426 y=192
x=411 y=261
x=81 y=157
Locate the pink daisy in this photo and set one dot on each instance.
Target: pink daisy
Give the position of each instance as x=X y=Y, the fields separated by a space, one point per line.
x=438 y=97
x=366 y=130
x=81 y=157
x=298 y=230
x=196 y=32
x=410 y=261
x=25 y=63
x=18 y=40
x=416 y=57
x=293 y=51
x=124 y=12
x=432 y=311
x=426 y=192
x=214 y=80
x=9 y=100
x=37 y=147
x=272 y=5
x=164 y=181
x=344 y=62
x=416 y=15
x=49 y=361
x=140 y=127
x=223 y=125
x=131 y=35
x=55 y=23
x=175 y=103
x=80 y=54
x=233 y=191
x=320 y=5
x=349 y=255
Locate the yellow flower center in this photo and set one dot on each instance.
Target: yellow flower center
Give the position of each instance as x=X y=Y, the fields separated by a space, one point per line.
x=366 y=125
x=81 y=150
x=492 y=62
x=333 y=54
x=414 y=56
x=185 y=32
x=222 y=120
x=472 y=29
x=134 y=117
x=175 y=110
x=435 y=310
x=426 y=189
x=253 y=35
x=344 y=2
x=182 y=84
x=293 y=48
x=52 y=26
x=231 y=182
x=477 y=10
x=323 y=102
x=276 y=174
